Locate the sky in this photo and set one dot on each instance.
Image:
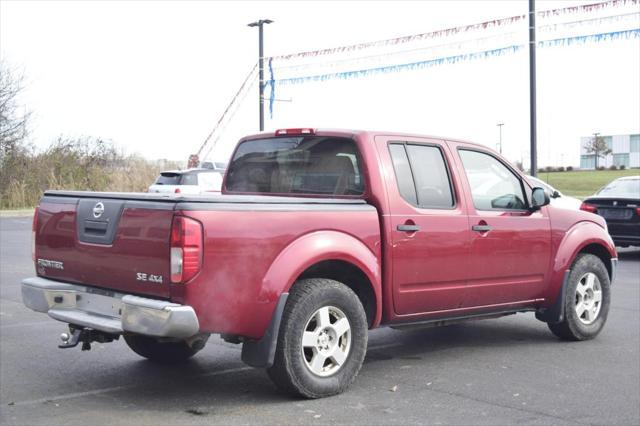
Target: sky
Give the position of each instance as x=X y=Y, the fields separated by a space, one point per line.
x=155 y=76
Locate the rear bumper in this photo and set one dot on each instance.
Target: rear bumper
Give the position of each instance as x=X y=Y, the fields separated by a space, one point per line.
x=107 y=311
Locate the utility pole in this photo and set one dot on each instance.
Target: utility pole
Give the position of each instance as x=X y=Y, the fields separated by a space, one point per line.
x=500 y=127
x=532 y=87
x=260 y=23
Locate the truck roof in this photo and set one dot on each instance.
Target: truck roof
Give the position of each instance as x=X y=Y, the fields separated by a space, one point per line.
x=356 y=132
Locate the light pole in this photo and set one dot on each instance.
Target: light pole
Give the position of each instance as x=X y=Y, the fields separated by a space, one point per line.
x=259 y=24
x=500 y=127
x=532 y=87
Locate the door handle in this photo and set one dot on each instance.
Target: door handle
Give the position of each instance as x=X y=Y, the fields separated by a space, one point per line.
x=481 y=228
x=408 y=228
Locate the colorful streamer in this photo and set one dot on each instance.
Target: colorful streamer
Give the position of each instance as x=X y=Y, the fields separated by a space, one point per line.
x=582 y=39
x=565 y=41
x=271 y=82
x=455 y=30
x=346 y=75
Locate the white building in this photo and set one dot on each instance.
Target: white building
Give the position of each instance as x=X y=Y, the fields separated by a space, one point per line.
x=625 y=152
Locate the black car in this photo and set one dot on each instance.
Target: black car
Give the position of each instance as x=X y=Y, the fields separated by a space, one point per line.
x=619 y=204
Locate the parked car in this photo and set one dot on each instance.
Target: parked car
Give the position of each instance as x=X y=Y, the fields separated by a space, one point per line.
x=619 y=203
x=190 y=181
x=319 y=236
x=558 y=199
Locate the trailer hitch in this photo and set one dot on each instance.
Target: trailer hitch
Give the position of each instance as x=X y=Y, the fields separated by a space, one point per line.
x=85 y=336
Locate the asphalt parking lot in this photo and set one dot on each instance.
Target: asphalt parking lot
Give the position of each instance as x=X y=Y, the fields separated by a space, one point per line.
x=505 y=371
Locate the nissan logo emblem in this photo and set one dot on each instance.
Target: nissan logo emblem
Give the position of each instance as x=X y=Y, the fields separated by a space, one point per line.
x=98 y=209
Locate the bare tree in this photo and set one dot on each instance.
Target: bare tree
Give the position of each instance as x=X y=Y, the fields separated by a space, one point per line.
x=13 y=116
x=597 y=146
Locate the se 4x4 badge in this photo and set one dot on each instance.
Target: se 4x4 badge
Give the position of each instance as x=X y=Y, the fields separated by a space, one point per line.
x=141 y=276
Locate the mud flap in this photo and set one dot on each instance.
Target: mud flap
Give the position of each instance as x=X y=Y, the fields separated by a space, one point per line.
x=555 y=313
x=261 y=353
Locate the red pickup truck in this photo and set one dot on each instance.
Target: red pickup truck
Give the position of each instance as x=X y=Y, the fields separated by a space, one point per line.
x=317 y=237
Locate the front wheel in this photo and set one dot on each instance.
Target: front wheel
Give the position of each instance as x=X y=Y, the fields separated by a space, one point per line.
x=587 y=300
x=158 y=351
x=322 y=339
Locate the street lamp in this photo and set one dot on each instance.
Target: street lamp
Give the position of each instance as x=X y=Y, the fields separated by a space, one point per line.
x=500 y=127
x=259 y=24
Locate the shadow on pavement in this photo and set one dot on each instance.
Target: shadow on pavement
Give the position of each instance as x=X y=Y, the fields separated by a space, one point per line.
x=197 y=388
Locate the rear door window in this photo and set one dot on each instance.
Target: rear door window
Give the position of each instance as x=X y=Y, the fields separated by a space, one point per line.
x=422 y=175
x=189 y=179
x=297 y=165
x=406 y=186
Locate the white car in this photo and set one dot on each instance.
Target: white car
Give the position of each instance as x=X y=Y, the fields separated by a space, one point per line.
x=190 y=181
x=558 y=199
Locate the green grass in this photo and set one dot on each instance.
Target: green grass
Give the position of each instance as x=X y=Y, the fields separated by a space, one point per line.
x=583 y=183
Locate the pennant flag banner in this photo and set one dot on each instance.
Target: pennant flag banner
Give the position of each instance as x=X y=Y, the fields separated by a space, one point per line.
x=439 y=48
x=592 y=38
x=585 y=8
x=400 y=67
x=461 y=29
x=345 y=75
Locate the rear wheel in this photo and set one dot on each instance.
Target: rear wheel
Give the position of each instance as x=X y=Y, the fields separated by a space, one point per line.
x=587 y=300
x=159 y=351
x=322 y=339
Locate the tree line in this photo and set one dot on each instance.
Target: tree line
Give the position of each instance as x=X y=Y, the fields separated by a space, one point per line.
x=71 y=163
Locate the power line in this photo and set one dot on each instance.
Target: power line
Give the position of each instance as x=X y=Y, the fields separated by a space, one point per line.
x=215 y=128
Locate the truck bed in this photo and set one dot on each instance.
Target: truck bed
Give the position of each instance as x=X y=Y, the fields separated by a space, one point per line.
x=127 y=249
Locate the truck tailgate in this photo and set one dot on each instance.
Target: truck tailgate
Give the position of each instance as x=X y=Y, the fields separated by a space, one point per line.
x=115 y=243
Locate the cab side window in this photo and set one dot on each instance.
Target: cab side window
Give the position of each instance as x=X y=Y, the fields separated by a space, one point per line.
x=493 y=185
x=421 y=172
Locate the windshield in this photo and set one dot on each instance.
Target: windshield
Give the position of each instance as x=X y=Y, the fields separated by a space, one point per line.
x=623 y=188
x=296 y=165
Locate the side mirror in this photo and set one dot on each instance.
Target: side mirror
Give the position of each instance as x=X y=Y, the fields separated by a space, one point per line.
x=539 y=198
x=555 y=194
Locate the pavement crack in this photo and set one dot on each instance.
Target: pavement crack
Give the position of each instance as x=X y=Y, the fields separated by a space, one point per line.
x=495 y=404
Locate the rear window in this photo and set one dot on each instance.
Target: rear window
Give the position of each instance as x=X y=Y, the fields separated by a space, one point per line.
x=624 y=188
x=296 y=165
x=177 y=179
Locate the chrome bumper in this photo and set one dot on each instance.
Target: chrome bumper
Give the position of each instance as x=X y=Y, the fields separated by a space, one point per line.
x=108 y=311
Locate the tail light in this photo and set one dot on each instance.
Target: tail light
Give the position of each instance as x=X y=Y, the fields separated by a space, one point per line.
x=34 y=227
x=638 y=211
x=588 y=207
x=177 y=191
x=186 y=249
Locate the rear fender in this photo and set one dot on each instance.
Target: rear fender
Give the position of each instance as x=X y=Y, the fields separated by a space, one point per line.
x=317 y=247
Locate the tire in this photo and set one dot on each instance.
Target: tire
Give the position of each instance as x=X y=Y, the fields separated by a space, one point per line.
x=158 y=351
x=315 y=357
x=587 y=278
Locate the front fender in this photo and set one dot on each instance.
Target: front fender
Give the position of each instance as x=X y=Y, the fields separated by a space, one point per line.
x=574 y=241
x=317 y=247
